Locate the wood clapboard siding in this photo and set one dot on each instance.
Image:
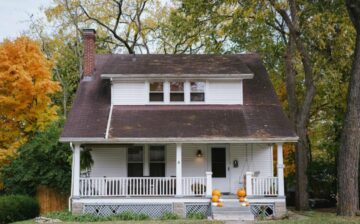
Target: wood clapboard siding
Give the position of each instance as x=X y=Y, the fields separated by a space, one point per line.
x=192 y=165
x=129 y=93
x=110 y=162
x=251 y=157
x=221 y=92
x=216 y=92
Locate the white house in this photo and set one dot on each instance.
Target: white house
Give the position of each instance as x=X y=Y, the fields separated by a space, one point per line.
x=165 y=130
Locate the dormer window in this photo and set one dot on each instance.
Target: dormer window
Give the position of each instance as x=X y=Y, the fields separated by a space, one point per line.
x=176 y=91
x=156 y=92
x=197 y=91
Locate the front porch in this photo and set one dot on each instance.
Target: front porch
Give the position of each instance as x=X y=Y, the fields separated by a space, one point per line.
x=187 y=187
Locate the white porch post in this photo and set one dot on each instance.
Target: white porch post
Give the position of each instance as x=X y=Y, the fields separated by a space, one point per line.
x=178 y=170
x=76 y=170
x=208 y=184
x=249 y=183
x=146 y=161
x=280 y=169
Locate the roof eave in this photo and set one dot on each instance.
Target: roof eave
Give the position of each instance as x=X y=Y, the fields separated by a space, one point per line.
x=213 y=140
x=177 y=76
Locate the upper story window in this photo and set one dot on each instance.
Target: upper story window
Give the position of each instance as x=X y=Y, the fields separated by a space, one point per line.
x=156 y=92
x=176 y=91
x=197 y=91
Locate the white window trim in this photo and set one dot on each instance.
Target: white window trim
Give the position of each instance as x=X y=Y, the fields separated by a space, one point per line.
x=148 y=91
x=205 y=90
x=187 y=93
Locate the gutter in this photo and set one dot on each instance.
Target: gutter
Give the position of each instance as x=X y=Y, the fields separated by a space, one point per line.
x=179 y=140
x=143 y=77
x=109 y=122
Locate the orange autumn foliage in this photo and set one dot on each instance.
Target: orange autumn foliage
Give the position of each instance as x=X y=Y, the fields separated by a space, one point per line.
x=288 y=152
x=25 y=88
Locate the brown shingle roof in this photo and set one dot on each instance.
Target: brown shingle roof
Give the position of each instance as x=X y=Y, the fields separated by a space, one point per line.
x=174 y=64
x=261 y=115
x=207 y=121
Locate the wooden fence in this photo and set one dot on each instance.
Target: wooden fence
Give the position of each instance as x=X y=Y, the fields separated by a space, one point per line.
x=50 y=200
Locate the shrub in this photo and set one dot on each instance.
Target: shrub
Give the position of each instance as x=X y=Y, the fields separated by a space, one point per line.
x=130 y=216
x=169 y=216
x=68 y=217
x=41 y=161
x=17 y=207
x=196 y=215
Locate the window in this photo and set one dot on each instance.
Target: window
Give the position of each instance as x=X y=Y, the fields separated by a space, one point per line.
x=135 y=161
x=156 y=92
x=157 y=161
x=197 y=93
x=176 y=92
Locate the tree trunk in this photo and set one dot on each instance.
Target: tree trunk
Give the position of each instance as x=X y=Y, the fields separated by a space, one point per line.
x=348 y=158
x=290 y=80
x=301 y=161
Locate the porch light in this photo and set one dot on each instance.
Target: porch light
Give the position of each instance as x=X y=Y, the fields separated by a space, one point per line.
x=199 y=153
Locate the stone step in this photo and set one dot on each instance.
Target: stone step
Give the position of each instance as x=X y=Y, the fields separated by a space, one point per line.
x=233 y=217
x=244 y=209
x=232 y=211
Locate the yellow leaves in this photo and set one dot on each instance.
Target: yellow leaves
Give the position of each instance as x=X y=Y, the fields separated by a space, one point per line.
x=25 y=90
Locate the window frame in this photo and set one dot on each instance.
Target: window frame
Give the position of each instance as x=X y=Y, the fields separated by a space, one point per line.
x=167 y=92
x=156 y=162
x=177 y=92
x=203 y=92
x=150 y=91
x=135 y=162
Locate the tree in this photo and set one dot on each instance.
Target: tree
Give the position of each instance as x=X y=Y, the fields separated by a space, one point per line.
x=124 y=26
x=301 y=43
x=41 y=161
x=348 y=162
x=25 y=93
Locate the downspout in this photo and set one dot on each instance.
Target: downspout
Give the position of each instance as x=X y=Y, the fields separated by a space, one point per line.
x=109 y=122
x=72 y=179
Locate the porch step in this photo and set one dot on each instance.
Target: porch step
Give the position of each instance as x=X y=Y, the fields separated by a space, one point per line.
x=232 y=211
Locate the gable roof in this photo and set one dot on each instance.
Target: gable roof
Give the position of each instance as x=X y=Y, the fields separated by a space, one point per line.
x=259 y=118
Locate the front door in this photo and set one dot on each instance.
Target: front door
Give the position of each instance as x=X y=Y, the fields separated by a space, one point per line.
x=220 y=170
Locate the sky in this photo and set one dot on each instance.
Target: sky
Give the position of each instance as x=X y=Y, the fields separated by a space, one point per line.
x=15 y=14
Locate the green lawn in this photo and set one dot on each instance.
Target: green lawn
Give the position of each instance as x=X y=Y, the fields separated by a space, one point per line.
x=314 y=217
x=140 y=222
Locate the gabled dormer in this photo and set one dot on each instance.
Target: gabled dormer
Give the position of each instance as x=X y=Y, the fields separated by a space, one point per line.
x=173 y=79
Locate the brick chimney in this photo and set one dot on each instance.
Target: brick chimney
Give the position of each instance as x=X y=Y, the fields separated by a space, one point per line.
x=89 y=52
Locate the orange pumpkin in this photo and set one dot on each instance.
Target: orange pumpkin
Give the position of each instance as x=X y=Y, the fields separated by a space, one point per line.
x=220 y=204
x=215 y=198
x=242 y=199
x=216 y=192
x=241 y=192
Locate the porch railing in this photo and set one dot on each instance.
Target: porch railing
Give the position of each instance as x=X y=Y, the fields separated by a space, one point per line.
x=141 y=186
x=194 y=186
x=262 y=186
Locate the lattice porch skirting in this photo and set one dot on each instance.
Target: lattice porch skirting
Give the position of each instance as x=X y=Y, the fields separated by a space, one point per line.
x=262 y=210
x=202 y=208
x=152 y=210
